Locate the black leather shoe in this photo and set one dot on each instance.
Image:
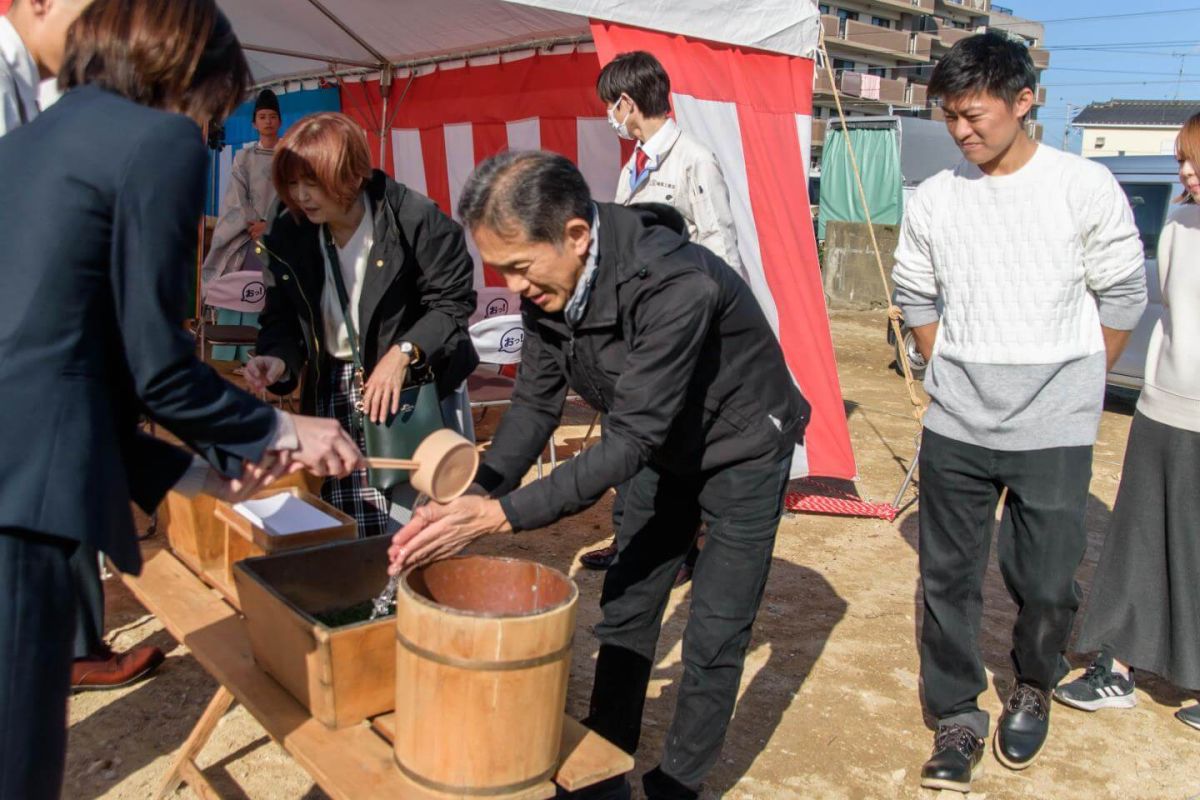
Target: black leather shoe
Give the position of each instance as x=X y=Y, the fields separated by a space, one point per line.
x=957 y=758
x=1023 y=726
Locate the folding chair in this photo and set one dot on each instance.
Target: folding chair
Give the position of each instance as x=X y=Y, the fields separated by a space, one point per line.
x=498 y=340
x=238 y=291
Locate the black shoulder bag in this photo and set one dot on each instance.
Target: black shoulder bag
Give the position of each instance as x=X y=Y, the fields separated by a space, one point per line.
x=420 y=411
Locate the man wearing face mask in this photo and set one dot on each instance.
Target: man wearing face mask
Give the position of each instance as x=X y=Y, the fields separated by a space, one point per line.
x=668 y=166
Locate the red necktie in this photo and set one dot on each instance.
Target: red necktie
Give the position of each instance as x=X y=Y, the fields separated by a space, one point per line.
x=639 y=161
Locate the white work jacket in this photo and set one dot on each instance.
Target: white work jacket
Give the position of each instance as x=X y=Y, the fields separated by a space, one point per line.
x=685 y=175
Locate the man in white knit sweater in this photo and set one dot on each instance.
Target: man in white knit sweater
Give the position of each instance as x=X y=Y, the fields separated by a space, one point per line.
x=1020 y=273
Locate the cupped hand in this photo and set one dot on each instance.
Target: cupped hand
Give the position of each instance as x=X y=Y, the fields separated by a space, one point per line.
x=438 y=531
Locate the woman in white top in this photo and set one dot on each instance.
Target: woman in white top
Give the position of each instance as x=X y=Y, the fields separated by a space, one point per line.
x=409 y=284
x=1145 y=596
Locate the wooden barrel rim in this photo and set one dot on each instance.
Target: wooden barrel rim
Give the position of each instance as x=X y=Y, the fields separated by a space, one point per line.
x=474 y=791
x=459 y=612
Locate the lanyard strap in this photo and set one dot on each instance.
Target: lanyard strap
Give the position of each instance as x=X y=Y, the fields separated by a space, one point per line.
x=334 y=266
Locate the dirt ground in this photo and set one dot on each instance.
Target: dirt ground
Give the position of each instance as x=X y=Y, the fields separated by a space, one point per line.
x=830 y=702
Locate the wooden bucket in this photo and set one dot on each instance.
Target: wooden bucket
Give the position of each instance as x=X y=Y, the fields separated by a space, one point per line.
x=482 y=660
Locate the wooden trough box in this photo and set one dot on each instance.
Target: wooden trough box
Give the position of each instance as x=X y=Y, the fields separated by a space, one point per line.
x=342 y=675
x=209 y=536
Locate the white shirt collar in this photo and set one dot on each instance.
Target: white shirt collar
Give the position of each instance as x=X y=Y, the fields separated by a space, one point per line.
x=661 y=142
x=21 y=65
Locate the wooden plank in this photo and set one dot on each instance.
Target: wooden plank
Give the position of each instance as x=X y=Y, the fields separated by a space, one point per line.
x=585 y=757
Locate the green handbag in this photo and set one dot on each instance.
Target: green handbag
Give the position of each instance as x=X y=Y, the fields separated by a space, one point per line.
x=420 y=411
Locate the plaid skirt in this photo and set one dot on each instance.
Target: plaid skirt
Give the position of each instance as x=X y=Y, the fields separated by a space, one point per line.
x=337 y=396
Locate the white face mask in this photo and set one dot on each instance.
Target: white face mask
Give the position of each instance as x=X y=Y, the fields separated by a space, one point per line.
x=620 y=127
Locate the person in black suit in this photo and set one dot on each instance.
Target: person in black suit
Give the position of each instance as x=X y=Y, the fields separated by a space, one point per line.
x=93 y=275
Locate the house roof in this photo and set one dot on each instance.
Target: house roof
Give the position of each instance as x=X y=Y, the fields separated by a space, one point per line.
x=1137 y=113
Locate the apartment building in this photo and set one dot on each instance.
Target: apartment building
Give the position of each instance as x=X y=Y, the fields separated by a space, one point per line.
x=883 y=52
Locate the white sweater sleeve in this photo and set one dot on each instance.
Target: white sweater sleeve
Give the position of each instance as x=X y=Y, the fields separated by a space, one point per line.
x=916 y=288
x=1112 y=257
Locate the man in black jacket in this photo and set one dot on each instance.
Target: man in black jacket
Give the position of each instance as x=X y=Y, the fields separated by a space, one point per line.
x=702 y=416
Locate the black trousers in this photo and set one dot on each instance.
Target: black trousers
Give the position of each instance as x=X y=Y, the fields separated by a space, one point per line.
x=1041 y=544
x=37 y=621
x=741 y=506
x=89 y=608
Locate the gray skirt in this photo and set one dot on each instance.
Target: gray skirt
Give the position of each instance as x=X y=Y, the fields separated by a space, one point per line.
x=1144 y=606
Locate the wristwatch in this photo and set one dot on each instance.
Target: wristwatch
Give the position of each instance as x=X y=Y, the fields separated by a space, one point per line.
x=413 y=352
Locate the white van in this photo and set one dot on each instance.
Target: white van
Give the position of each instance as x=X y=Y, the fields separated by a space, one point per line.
x=1150 y=183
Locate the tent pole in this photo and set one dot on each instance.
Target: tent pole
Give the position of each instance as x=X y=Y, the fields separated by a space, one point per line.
x=200 y=236
x=385 y=90
x=278 y=51
x=378 y=56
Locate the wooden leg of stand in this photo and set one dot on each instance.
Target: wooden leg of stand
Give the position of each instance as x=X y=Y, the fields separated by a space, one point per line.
x=184 y=767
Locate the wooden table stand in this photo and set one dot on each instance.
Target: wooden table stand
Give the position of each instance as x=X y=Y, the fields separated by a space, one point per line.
x=351 y=763
x=184 y=768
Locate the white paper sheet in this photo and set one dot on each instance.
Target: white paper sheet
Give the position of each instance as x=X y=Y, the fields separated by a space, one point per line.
x=283 y=514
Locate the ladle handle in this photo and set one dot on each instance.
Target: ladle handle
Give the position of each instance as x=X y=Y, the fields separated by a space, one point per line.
x=392 y=463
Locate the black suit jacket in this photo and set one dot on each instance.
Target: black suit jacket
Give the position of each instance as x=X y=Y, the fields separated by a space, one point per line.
x=672 y=347
x=418 y=288
x=102 y=197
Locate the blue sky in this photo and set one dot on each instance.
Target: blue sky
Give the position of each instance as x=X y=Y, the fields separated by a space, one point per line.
x=1109 y=56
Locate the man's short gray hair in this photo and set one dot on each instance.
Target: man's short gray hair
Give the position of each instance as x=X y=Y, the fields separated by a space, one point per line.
x=532 y=192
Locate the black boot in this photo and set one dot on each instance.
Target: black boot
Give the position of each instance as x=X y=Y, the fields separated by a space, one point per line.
x=1023 y=726
x=957 y=758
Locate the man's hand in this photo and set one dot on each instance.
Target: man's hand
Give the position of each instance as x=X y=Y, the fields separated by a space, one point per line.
x=381 y=395
x=438 y=531
x=256 y=229
x=263 y=371
x=925 y=336
x=255 y=478
x=1114 y=344
x=325 y=447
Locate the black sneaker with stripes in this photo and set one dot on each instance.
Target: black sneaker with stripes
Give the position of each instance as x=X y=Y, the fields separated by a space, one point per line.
x=1099 y=687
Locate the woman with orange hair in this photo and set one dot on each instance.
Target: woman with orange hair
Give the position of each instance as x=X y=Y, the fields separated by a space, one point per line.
x=1145 y=595
x=407 y=281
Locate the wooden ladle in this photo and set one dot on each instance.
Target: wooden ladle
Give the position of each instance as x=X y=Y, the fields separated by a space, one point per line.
x=443 y=466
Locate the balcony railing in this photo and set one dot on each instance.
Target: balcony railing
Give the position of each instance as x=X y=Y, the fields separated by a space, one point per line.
x=1040 y=98
x=856 y=84
x=918 y=95
x=818 y=132
x=1041 y=58
x=909 y=5
x=952 y=36
x=876 y=36
x=982 y=6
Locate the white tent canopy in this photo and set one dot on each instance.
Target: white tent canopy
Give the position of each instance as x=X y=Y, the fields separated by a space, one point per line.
x=294 y=39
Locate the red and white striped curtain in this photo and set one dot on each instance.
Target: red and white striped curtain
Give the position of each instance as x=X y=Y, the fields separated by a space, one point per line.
x=752 y=108
x=453 y=118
